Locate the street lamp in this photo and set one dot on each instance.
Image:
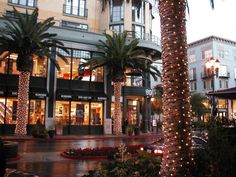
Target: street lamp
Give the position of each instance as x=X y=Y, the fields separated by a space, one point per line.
x=212 y=66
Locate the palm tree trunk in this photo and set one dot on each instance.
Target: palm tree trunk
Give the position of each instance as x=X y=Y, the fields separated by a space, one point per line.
x=177 y=159
x=22 y=106
x=117 y=112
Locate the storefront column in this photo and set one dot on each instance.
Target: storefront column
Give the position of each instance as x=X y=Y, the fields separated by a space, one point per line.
x=147 y=102
x=51 y=87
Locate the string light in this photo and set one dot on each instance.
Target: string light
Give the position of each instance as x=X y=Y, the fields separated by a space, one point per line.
x=22 y=105
x=117 y=111
x=177 y=120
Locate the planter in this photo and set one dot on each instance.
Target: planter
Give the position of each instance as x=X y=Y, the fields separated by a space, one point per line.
x=51 y=133
x=59 y=130
x=137 y=131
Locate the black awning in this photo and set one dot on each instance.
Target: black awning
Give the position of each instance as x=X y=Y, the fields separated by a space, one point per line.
x=229 y=93
x=36 y=92
x=2 y=90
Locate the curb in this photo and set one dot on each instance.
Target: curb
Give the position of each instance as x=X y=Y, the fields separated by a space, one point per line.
x=78 y=137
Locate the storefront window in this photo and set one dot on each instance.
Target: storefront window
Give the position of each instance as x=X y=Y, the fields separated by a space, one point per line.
x=79 y=113
x=40 y=67
x=2 y=110
x=9 y=65
x=132 y=111
x=62 y=112
x=73 y=71
x=96 y=113
x=222 y=103
x=11 y=109
x=79 y=57
x=37 y=111
x=65 y=67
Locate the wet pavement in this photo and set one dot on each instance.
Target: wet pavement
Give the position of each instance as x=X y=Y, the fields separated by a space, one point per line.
x=42 y=156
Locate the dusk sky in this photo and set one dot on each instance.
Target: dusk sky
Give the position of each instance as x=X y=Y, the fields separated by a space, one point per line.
x=203 y=21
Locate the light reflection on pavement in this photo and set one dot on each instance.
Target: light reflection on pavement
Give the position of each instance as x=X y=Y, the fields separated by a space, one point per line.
x=43 y=157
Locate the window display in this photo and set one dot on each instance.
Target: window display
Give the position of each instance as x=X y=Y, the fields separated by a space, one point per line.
x=11 y=109
x=37 y=111
x=62 y=112
x=79 y=113
x=2 y=110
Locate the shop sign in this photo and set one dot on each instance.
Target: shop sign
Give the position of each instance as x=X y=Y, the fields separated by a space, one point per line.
x=40 y=95
x=101 y=98
x=14 y=93
x=148 y=92
x=66 y=96
x=84 y=97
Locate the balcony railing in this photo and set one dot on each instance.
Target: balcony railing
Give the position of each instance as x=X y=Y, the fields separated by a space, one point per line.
x=145 y=36
x=75 y=10
x=193 y=78
x=205 y=75
x=27 y=3
x=224 y=75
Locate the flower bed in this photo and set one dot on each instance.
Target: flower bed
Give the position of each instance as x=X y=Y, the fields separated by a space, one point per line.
x=98 y=153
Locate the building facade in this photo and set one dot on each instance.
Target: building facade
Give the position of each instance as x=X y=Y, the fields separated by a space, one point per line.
x=201 y=81
x=82 y=105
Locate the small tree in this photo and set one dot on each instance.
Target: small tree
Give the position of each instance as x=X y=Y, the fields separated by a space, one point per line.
x=118 y=55
x=197 y=103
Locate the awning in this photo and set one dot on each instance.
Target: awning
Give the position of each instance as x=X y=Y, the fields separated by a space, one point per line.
x=36 y=92
x=80 y=95
x=2 y=90
x=229 y=93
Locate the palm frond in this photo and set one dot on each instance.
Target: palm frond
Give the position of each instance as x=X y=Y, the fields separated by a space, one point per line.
x=120 y=54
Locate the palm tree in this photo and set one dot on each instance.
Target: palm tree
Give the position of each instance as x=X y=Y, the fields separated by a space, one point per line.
x=118 y=55
x=177 y=159
x=27 y=38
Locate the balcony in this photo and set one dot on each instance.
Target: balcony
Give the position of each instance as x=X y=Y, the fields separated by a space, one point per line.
x=224 y=75
x=144 y=36
x=205 y=75
x=75 y=11
x=193 y=78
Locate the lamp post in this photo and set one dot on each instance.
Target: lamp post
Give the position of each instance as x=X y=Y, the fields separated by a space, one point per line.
x=212 y=66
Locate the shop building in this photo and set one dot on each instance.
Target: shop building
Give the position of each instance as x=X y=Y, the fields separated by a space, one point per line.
x=80 y=103
x=223 y=50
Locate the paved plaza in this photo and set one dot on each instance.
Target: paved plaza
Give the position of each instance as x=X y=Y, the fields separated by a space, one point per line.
x=42 y=156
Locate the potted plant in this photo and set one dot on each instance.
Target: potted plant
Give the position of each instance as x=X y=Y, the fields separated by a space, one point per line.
x=136 y=130
x=39 y=130
x=130 y=129
x=51 y=132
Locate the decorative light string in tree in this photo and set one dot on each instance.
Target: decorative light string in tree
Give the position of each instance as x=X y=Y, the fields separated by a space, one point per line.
x=22 y=112
x=178 y=156
x=117 y=112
